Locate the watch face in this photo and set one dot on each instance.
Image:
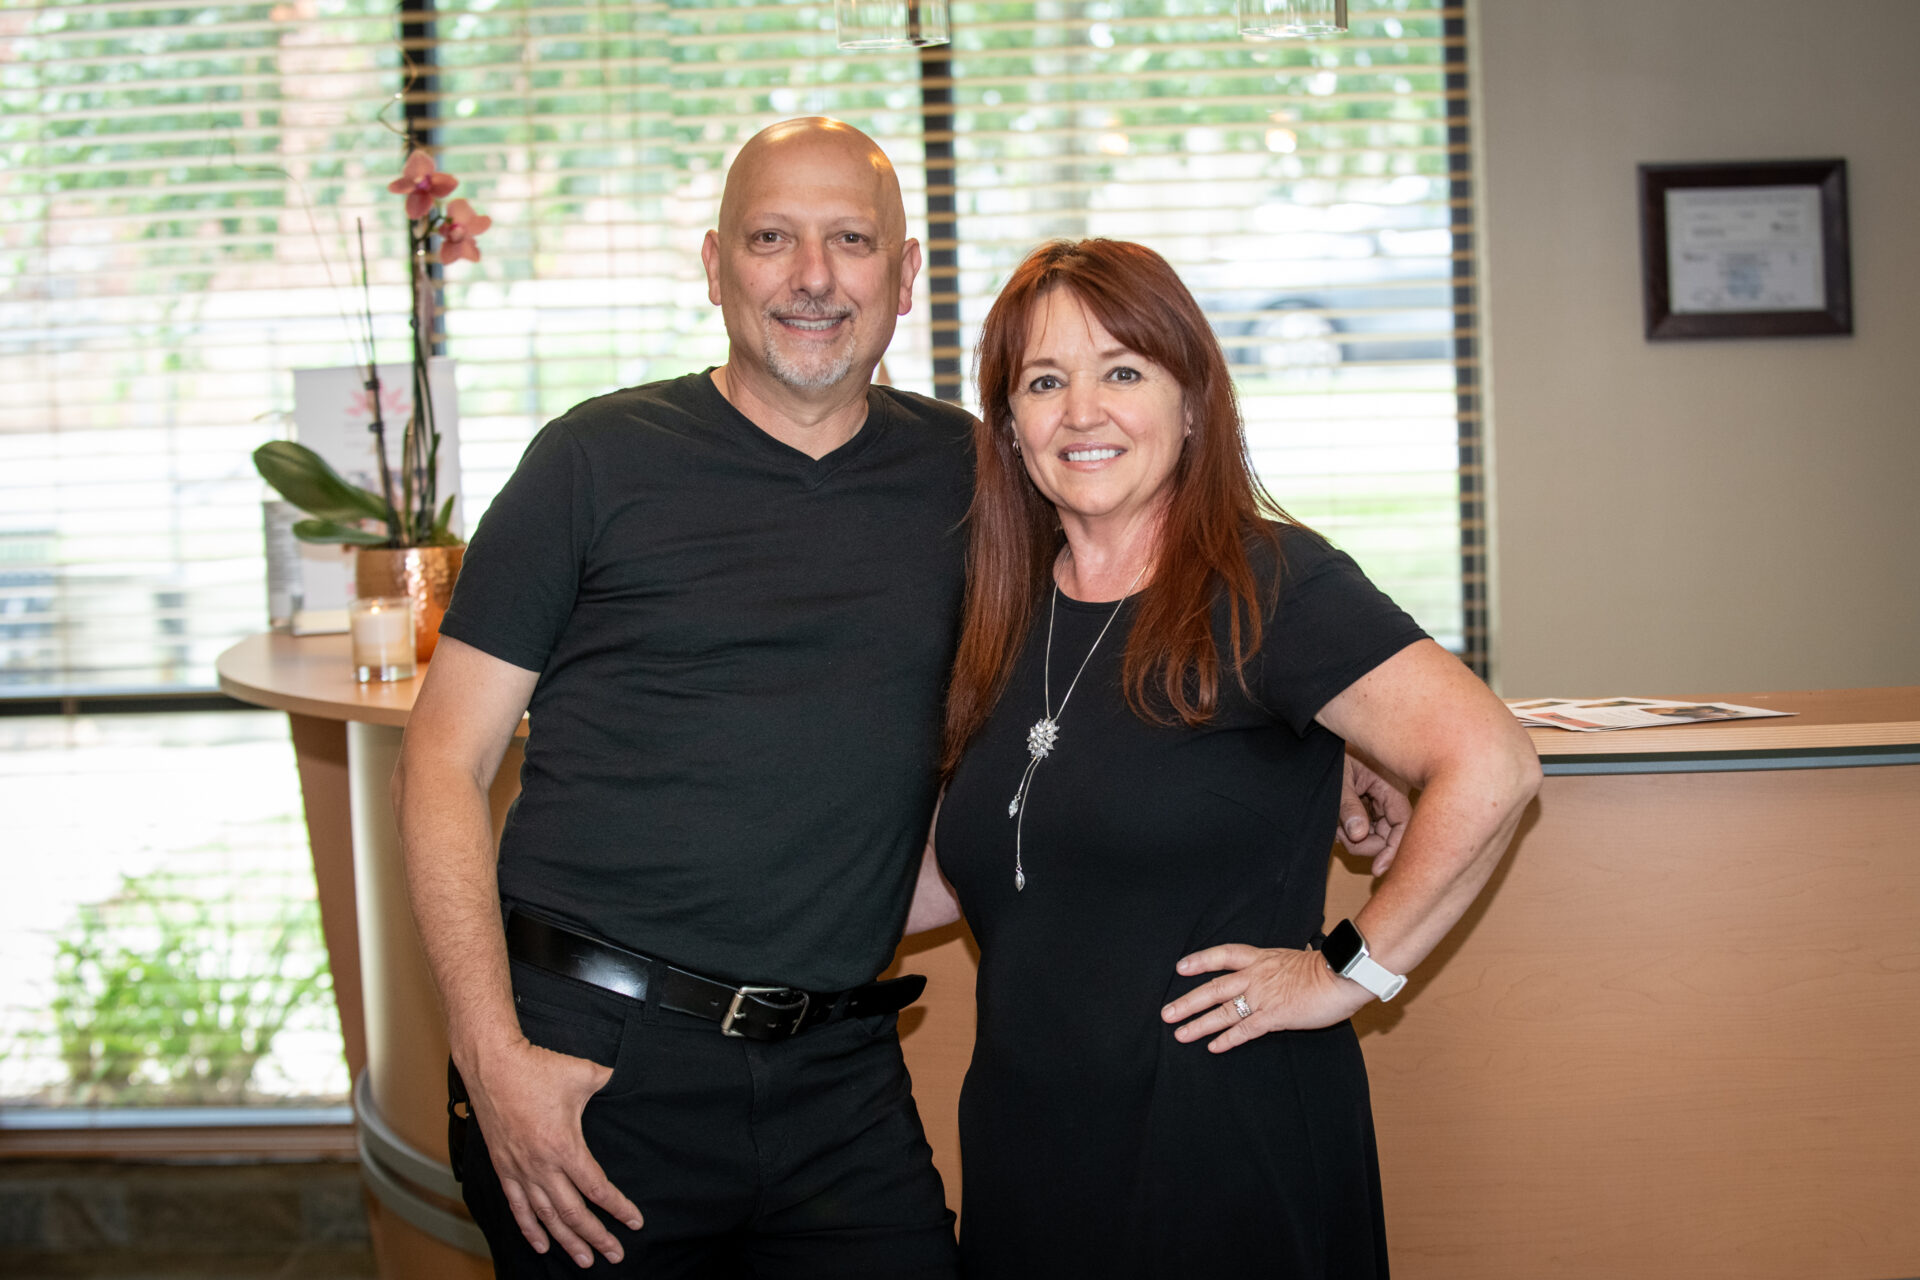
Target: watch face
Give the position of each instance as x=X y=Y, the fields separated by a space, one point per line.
x=1343 y=946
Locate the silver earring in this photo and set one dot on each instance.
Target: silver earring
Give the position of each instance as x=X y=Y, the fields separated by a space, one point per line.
x=1016 y=444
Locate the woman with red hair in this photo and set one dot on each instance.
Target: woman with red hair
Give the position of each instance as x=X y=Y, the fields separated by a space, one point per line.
x=1144 y=749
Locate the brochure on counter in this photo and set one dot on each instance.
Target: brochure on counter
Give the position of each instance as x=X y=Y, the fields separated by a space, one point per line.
x=1602 y=715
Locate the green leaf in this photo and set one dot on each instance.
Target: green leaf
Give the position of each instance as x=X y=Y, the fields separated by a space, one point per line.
x=442 y=525
x=303 y=478
x=328 y=531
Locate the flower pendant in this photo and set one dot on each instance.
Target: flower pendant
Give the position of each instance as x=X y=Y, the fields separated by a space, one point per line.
x=1041 y=737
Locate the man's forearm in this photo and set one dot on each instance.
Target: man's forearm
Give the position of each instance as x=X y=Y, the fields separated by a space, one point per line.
x=446 y=832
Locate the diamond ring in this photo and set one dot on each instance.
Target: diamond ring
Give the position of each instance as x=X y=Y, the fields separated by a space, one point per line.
x=1241 y=1007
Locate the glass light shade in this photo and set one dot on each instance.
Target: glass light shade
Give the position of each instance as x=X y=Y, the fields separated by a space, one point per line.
x=1292 y=19
x=892 y=24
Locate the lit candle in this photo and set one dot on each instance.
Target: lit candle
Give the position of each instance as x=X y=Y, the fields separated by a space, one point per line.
x=380 y=633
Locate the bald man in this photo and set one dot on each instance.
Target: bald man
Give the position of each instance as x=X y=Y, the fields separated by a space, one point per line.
x=728 y=601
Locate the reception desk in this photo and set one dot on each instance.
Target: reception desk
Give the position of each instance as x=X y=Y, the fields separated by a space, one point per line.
x=1678 y=1035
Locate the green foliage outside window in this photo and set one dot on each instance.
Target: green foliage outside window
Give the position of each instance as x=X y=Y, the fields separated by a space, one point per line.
x=167 y=1000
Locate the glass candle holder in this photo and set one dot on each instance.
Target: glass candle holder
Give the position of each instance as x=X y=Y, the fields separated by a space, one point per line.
x=891 y=24
x=1292 y=19
x=380 y=634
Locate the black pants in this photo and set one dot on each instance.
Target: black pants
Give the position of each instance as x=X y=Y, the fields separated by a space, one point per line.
x=799 y=1158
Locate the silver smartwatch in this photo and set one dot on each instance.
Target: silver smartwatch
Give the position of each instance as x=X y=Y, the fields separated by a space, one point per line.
x=1346 y=954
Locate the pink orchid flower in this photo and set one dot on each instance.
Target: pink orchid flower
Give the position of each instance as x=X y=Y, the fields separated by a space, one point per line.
x=421 y=184
x=393 y=403
x=460 y=231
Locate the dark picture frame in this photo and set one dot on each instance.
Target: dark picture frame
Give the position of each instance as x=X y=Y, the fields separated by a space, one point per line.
x=1750 y=261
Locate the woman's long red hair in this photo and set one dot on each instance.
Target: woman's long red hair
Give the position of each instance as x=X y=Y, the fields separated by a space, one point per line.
x=1172 y=666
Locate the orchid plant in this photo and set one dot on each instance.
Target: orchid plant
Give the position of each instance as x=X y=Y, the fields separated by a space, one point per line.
x=340 y=511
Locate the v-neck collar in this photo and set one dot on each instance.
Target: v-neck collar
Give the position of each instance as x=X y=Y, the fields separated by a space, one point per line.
x=810 y=471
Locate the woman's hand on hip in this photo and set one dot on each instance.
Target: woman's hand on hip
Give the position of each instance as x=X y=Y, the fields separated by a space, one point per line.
x=1279 y=989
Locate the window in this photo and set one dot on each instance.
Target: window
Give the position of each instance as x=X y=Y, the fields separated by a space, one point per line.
x=1307 y=192
x=1313 y=195
x=177 y=231
x=181 y=184
x=159 y=940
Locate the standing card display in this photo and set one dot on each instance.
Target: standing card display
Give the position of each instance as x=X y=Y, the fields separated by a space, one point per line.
x=332 y=412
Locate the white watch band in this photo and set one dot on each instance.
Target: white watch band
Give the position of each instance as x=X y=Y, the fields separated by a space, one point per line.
x=1375 y=977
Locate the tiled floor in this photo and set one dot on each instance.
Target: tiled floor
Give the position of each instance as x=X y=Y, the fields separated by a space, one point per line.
x=115 y=1221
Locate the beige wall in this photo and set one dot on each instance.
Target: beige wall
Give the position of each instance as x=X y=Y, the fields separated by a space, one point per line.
x=1688 y=517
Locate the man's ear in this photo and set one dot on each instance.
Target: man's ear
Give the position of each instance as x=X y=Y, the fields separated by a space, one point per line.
x=909 y=272
x=710 y=259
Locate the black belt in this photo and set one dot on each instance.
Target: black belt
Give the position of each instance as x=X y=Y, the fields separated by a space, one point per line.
x=755 y=1012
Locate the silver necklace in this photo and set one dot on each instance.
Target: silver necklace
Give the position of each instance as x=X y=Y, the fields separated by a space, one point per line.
x=1046 y=730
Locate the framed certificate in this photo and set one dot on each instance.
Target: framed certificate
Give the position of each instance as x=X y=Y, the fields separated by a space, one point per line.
x=1747 y=250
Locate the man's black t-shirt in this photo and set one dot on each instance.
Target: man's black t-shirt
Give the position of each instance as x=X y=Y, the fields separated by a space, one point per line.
x=742 y=655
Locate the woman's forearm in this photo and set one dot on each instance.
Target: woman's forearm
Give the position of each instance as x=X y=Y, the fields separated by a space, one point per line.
x=1466 y=817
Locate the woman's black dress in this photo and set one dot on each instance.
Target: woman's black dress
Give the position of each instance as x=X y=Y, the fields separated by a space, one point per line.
x=1094 y=1143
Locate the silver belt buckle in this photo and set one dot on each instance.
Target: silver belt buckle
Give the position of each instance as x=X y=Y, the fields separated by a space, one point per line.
x=741 y=993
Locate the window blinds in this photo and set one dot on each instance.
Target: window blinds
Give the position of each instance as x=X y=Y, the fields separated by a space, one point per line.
x=173 y=183
x=181 y=184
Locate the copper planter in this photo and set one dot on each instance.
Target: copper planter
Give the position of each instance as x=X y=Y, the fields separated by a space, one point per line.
x=423 y=574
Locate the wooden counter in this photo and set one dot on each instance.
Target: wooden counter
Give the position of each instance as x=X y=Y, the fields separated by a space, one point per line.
x=1677 y=1036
